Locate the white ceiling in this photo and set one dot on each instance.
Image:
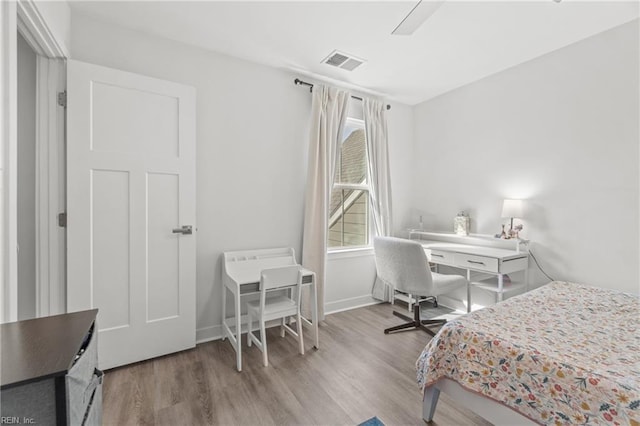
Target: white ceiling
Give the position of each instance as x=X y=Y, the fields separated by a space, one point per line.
x=461 y=43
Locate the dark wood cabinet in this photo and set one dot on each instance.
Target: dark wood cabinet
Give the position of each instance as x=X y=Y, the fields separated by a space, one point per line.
x=49 y=371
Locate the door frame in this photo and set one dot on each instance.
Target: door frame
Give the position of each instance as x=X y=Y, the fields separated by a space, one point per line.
x=8 y=186
x=24 y=16
x=36 y=32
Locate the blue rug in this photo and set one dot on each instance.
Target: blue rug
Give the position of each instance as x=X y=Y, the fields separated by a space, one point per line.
x=373 y=421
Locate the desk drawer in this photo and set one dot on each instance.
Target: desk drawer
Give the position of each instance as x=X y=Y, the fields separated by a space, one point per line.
x=479 y=263
x=442 y=257
x=516 y=264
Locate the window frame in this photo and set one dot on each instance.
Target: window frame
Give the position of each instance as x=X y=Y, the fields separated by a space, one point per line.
x=359 y=123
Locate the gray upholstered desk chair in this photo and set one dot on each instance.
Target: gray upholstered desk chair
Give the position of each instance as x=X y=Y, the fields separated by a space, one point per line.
x=403 y=264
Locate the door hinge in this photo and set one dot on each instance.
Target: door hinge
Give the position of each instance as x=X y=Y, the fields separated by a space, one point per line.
x=62 y=99
x=62 y=220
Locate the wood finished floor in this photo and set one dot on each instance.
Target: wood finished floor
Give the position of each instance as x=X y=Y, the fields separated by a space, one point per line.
x=357 y=373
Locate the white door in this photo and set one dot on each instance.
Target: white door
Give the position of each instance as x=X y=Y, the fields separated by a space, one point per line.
x=130 y=188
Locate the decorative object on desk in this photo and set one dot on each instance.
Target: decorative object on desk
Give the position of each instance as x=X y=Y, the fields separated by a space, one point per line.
x=506 y=280
x=421 y=224
x=502 y=235
x=461 y=224
x=512 y=209
x=515 y=232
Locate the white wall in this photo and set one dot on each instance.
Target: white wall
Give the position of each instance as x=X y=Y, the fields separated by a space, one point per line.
x=26 y=180
x=560 y=131
x=252 y=130
x=401 y=157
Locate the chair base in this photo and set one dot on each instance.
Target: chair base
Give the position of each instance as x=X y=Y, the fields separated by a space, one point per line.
x=415 y=322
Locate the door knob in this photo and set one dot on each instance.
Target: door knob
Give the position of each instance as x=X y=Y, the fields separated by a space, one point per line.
x=185 y=230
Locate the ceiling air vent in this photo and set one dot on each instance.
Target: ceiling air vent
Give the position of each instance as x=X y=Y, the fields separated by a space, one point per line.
x=343 y=60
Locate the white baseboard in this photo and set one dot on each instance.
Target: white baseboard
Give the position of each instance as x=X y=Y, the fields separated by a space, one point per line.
x=348 y=304
x=207 y=334
x=214 y=332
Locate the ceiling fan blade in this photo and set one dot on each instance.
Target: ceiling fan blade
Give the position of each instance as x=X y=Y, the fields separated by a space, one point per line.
x=418 y=15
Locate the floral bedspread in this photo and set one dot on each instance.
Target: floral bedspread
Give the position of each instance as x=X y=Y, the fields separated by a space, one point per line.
x=562 y=354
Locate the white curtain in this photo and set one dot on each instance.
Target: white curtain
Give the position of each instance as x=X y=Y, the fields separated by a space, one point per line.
x=328 y=115
x=375 y=123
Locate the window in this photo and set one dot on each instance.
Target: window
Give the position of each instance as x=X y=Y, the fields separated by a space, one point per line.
x=349 y=203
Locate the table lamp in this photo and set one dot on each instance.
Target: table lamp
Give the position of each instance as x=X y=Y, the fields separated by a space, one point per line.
x=512 y=209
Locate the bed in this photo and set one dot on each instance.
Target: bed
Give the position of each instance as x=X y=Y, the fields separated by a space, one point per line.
x=564 y=353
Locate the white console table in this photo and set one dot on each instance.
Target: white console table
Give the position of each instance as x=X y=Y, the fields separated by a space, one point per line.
x=486 y=260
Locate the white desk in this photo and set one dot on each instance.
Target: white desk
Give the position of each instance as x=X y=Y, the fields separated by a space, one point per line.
x=469 y=254
x=241 y=277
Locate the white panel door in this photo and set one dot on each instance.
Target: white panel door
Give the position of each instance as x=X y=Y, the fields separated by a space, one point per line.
x=130 y=189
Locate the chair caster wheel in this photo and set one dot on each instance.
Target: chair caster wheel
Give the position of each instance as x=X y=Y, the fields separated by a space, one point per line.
x=386 y=332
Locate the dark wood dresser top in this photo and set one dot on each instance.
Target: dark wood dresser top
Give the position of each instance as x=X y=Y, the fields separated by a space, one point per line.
x=42 y=347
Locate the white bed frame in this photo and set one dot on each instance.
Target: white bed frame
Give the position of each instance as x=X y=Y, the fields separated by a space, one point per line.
x=485 y=407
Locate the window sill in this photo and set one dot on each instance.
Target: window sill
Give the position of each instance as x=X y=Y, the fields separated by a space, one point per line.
x=344 y=253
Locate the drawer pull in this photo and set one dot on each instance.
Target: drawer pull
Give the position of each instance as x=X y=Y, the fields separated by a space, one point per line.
x=436 y=255
x=476 y=262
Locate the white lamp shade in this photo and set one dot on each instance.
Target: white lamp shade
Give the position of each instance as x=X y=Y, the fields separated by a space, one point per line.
x=512 y=208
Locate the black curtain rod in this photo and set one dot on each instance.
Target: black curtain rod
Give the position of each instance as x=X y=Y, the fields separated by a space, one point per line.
x=299 y=82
